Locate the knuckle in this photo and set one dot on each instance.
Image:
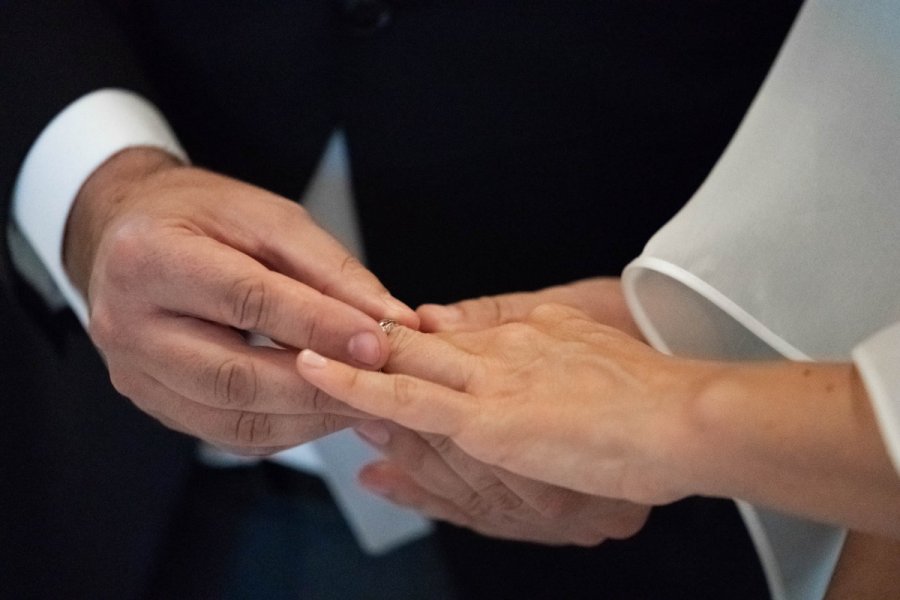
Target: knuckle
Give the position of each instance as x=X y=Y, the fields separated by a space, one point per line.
x=473 y=505
x=235 y=383
x=499 y=496
x=628 y=525
x=350 y=265
x=349 y=269
x=552 y=505
x=313 y=328
x=127 y=253
x=307 y=428
x=546 y=312
x=246 y=303
x=123 y=382
x=329 y=423
x=318 y=402
x=402 y=340
x=414 y=461
x=252 y=429
x=313 y=427
x=102 y=327
x=442 y=444
x=133 y=257
x=493 y=309
x=404 y=388
x=167 y=421
x=556 y=315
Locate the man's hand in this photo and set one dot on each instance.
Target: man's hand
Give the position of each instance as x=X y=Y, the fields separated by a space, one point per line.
x=179 y=264
x=429 y=473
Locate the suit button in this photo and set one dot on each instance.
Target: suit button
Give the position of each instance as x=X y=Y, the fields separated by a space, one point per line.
x=364 y=17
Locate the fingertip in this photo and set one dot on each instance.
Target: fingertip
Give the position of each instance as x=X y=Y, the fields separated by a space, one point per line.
x=412 y=320
x=368 y=349
x=401 y=313
x=311 y=359
x=438 y=317
x=376 y=477
x=374 y=432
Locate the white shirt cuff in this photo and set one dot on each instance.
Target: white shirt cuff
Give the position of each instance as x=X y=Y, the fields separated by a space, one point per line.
x=878 y=362
x=73 y=145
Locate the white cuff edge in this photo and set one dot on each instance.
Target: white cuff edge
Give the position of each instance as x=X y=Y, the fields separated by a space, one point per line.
x=69 y=149
x=884 y=396
x=705 y=290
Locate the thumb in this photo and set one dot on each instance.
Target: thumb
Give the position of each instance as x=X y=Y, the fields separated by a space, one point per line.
x=477 y=313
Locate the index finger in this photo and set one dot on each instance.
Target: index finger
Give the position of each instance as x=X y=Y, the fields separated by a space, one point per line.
x=430 y=357
x=409 y=401
x=291 y=242
x=223 y=285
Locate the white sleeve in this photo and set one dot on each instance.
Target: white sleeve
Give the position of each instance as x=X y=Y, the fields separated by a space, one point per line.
x=72 y=146
x=878 y=362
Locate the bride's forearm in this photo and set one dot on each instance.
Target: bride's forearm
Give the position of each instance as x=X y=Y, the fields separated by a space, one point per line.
x=869 y=569
x=798 y=437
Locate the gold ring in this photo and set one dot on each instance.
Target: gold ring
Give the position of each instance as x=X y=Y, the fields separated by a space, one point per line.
x=387 y=325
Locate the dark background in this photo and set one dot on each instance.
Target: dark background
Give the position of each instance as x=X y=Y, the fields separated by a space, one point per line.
x=495 y=146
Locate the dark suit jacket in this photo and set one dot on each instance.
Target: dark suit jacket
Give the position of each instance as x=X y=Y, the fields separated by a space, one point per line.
x=495 y=146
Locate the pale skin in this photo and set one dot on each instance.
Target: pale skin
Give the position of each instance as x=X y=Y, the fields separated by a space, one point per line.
x=563 y=399
x=171 y=261
x=429 y=473
x=178 y=263
x=162 y=251
x=868 y=569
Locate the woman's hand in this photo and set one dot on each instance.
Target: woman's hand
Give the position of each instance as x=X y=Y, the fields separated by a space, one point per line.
x=562 y=399
x=557 y=397
x=601 y=298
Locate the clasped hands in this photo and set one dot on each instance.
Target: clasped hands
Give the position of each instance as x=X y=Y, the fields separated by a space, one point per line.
x=496 y=419
x=178 y=264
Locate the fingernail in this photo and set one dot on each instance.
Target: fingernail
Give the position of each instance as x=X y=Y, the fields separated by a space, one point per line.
x=372 y=478
x=374 y=432
x=377 y=488
x=311 y=359
x=364 y=348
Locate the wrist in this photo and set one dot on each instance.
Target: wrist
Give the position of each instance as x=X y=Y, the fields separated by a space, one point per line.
x=98 y=200
x=712 y=431
x=680 y=433
x=797 y=437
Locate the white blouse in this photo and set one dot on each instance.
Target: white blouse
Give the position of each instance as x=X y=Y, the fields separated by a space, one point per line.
x=791 y=247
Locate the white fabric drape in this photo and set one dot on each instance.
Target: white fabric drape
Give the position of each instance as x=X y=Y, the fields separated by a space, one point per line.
x=791 y=247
